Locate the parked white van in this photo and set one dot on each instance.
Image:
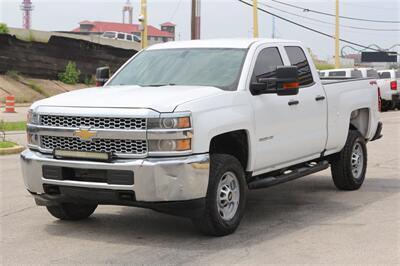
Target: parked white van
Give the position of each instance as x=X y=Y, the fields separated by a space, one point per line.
x=121 y=36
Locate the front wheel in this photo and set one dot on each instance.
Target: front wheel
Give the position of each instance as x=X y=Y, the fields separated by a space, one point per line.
x=349 y=166
x=226 y=197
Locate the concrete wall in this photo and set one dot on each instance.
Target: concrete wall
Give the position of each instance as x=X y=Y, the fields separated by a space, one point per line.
x=42 y=59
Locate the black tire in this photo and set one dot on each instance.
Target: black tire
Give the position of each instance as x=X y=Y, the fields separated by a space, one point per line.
x=387 y=105
x=210 y=221
x=71 y=211
x=341 y=163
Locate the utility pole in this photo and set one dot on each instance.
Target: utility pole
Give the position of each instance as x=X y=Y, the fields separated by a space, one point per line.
x=337 y=33
x=143 y=20
x=255 y=18
x=195 y=20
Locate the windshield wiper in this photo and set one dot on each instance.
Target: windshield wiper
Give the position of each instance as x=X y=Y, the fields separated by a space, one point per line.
x=157 y=85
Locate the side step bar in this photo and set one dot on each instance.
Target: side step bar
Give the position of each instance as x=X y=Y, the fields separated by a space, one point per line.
x=296 y=173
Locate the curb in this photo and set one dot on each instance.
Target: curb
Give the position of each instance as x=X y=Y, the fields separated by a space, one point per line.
x=12 y=150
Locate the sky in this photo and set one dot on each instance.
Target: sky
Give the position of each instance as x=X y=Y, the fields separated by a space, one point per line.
x=225 y=19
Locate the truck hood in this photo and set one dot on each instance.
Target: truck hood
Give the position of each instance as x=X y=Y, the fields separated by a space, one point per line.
x=161 y=99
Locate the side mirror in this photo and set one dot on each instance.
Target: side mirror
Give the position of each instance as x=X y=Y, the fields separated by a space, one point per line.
x=102 y=76
x=285 y=83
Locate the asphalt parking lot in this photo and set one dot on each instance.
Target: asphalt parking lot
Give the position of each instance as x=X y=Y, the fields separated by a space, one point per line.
x=305 y=221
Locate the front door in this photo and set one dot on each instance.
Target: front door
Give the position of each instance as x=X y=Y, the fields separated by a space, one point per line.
x=288 y=128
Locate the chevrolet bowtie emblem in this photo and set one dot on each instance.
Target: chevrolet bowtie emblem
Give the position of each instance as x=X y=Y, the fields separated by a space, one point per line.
x=85 y=134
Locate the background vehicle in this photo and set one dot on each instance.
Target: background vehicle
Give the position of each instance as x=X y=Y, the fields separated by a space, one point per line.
x=362 y=72
x=121 y=36
x=342 y=73
x=389 y=84
x=188 y=127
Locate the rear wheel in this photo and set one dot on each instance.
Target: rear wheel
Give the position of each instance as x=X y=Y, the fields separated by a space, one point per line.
x=71 y=211
x=226 y=196
x=349 y=166
x=387 y=105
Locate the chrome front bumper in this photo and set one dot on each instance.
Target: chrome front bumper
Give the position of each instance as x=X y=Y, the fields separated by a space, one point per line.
x=155 y=179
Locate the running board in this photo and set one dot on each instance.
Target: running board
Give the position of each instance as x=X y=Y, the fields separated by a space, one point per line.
x=296 y=173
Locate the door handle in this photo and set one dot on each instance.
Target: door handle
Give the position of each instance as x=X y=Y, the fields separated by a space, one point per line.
x=320 y=98
x=293 y=102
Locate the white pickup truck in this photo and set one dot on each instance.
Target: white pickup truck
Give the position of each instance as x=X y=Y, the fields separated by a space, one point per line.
x=189 y=128
x=389 y=84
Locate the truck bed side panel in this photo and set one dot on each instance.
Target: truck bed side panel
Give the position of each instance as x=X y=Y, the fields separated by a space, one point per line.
x=344 y=97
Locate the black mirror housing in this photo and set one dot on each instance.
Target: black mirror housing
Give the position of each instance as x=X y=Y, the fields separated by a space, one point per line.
x=286 y=82
x=102 y=76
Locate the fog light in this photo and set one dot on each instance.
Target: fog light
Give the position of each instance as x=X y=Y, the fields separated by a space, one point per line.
x=166 y=145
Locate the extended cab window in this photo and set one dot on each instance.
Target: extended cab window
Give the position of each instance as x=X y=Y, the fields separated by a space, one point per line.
x=267 y=61
x=298 y=58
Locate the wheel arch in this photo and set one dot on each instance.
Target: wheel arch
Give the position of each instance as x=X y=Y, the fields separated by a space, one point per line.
x=235 y=143
x=360 y=121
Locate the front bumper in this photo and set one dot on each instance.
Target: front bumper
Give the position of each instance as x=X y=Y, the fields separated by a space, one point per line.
x=155 y=179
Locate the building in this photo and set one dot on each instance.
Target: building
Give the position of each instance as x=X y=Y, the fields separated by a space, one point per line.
x=154 y=35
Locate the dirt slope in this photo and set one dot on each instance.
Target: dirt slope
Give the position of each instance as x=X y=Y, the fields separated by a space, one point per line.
x=27 y=90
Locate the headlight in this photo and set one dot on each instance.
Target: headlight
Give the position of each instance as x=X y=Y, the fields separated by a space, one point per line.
x=170 y=133
x=32 y=118
x=169 y=123
x=32 y=138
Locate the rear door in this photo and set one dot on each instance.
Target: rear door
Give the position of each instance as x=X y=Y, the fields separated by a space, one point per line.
x=312 y=107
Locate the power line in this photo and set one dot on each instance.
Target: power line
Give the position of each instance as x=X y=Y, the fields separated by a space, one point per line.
x=309 y=28
x=176 y=9
x=332 y=15
x=325 y=22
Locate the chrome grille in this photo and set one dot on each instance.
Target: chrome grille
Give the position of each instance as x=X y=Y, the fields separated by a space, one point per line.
x=93 y=122
x=118 y=146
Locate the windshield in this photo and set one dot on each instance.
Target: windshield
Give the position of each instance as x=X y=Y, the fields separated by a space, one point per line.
x=189 y=66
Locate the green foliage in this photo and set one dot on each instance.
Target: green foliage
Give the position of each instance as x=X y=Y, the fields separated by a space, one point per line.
x=7 y=144
x=71 y=74
x=4 y=28
x=13 y=74
x=89 y=80
x=12 y=126
x=321 y=66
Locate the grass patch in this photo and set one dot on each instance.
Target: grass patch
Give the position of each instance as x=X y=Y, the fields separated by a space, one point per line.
x=17 y=77
x=14 y=75
x=7 y=144
x=36 y=88
x=13 y=126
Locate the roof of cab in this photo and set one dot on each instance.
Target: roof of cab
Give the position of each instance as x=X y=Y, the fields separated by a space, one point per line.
x=217 y=43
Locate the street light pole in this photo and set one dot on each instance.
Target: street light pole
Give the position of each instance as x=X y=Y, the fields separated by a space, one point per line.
x=143 y=19
x=337 y=33
x=255 y=18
